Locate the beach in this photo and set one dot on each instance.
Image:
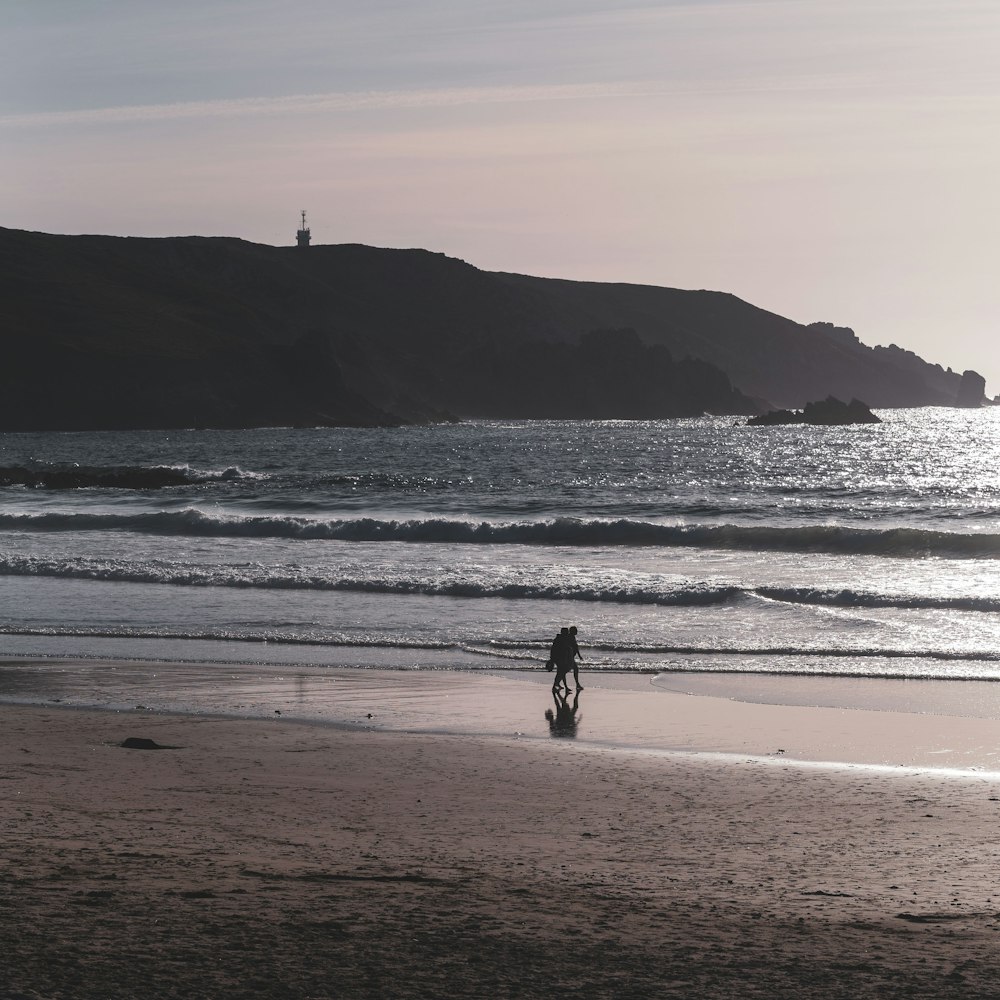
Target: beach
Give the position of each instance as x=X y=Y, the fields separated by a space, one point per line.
x=448 y=846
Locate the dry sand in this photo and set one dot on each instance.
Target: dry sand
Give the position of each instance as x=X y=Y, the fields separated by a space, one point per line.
x=270 y=858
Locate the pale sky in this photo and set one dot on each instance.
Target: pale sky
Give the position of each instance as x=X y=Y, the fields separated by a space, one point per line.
x=825 y=159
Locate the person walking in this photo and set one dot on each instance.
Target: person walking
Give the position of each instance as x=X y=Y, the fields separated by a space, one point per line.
x=574 y=654
x=561 y=658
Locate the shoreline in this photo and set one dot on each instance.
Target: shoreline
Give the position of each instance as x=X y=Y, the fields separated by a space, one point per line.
x=629 y=712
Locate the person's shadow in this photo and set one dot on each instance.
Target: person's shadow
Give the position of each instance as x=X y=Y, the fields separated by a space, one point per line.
x=564 y=720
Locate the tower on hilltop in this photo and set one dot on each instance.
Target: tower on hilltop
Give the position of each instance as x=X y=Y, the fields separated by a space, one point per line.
x=302 y=237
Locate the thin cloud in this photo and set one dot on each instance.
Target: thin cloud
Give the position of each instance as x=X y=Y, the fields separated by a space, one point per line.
x=445 y=97
x=249 y=107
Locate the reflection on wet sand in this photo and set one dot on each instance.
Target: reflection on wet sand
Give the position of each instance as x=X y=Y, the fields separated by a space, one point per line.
x=563 y=722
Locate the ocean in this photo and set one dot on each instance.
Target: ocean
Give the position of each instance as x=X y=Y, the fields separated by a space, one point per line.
x=681 y=546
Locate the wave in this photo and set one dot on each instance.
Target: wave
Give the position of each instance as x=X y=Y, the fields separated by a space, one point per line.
x=118 y=477
x=849 y=598
x=564 y=531
x=627 y=649
x=616 y=658
x=640 y=589
x=255 y=575
x=225 y=635
x=809 y=652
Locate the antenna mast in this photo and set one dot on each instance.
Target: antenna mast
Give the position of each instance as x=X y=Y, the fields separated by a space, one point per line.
x=302 y=237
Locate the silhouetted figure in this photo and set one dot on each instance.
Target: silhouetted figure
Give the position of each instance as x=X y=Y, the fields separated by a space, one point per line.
x=564 y=720
x=550 y=663
x=561 y=656
x=574 y=655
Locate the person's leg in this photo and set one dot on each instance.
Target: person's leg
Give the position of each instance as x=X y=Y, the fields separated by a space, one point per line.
x=576 y=676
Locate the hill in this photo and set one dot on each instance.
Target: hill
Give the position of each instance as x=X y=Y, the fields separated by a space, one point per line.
x=110 y=332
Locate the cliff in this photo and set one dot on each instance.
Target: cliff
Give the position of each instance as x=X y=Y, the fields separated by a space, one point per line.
x=107 y=332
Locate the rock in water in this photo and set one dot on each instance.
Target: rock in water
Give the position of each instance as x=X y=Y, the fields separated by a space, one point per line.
x=827 y=412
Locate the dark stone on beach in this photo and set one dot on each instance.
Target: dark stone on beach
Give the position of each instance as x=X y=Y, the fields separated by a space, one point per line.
x=140 y=743
x=826 y=412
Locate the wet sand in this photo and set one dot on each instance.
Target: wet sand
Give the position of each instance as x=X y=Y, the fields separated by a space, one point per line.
x=944 y=725
x=448 y=846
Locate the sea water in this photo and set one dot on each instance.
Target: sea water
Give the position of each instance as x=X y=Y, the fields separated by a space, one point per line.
x=681 y=545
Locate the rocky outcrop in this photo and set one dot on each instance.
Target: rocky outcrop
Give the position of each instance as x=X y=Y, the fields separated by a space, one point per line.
x=104 y=333
x=826 y=412
x=971 y=390
x=607 y=375
x=108 y=333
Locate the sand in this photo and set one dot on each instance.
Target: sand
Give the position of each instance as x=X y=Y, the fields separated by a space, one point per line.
x=434 y=852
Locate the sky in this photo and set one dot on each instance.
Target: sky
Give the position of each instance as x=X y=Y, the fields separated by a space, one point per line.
x=834 y=160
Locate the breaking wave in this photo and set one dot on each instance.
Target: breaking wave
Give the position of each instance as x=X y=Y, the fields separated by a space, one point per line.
x=255 y=575
x=848 y=598
x=564 y=531
x=633 y=589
